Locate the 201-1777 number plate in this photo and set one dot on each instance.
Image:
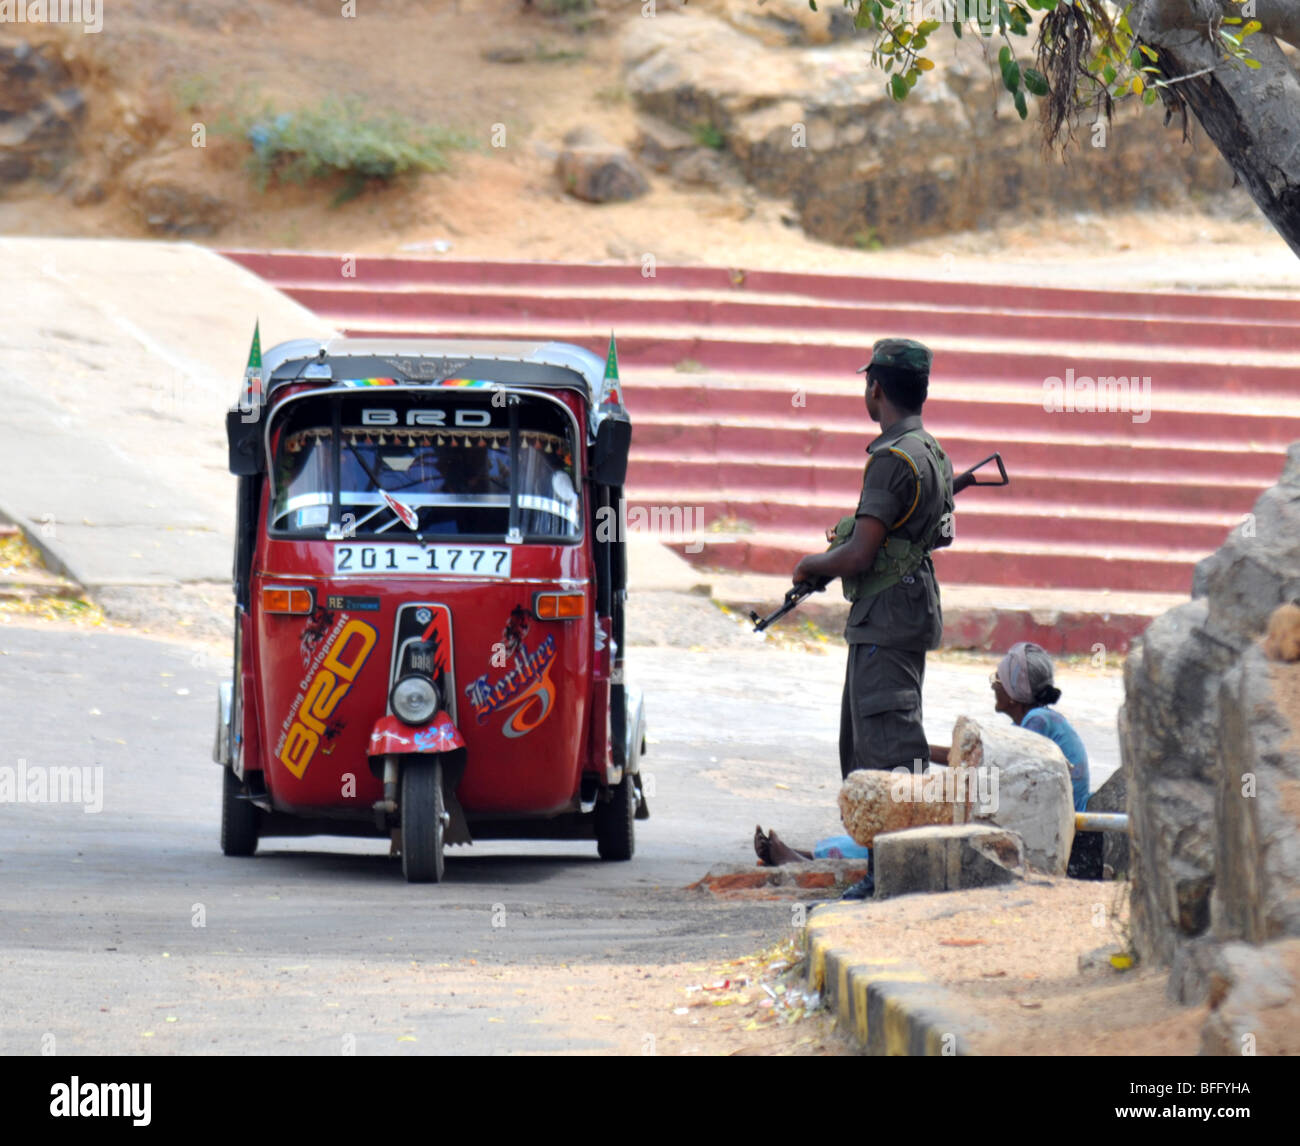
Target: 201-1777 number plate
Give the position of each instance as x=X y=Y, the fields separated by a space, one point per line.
x=457 y=560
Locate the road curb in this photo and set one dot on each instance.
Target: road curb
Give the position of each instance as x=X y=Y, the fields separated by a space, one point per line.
x=886 y=1005
x=56 y=560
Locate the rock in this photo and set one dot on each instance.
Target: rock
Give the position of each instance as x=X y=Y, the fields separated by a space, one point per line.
x=1195 y=962
x=1282 y=642
x=1032 y=795
x=1253 y=1001
x=40 y=110
x=1257 y=810
x=1206 y=716
x=1098 y=959
x=1257 y=568
x=506 y=54
x=782 y=23
x=815 y=125
x=872 y=802
x=659 y=144
x=705 y=167
x=1112 y=796
x=600 y=174
x=170 y=194
x=1168 y=732
x=584 y=136
x=946 y=858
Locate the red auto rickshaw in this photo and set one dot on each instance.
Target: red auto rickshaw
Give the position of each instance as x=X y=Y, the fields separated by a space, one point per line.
x=429 y=582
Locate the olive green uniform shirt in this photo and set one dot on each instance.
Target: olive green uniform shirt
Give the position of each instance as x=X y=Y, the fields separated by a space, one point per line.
x=906 y=615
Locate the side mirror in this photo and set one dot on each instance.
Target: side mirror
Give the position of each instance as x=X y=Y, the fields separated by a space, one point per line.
x=245 y=441
x=609 y=454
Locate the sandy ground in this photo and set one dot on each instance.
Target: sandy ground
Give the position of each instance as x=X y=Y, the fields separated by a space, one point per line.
x=1011 y=958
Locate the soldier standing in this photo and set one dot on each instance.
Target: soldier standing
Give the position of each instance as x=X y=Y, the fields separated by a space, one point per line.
x=882 y=556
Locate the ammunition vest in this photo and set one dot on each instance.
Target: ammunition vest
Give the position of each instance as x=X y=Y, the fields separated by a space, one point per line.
x=899 y=557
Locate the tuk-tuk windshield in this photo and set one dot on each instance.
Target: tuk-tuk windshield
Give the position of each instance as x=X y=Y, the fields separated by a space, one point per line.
x=427 y=464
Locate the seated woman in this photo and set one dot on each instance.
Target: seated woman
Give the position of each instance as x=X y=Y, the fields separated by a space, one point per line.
x=1024 y=688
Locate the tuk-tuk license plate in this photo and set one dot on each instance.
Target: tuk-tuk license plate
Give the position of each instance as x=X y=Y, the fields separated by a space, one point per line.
x=460 y=560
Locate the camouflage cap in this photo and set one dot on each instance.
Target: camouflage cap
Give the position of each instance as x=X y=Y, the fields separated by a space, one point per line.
x=901 y=353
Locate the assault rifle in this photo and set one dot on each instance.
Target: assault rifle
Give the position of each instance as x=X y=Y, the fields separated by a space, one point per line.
x=806 y=589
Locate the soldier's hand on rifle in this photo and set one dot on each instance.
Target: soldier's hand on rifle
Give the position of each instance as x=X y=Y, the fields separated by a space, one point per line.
x=800 y=574
x=853 y=556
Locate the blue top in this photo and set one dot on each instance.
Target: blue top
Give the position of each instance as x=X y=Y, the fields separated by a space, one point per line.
x=1050 y=723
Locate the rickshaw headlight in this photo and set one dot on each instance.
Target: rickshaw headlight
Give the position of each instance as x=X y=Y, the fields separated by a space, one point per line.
x=414 y=699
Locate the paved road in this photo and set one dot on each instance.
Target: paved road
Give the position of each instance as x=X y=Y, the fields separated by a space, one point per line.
x=314 y=942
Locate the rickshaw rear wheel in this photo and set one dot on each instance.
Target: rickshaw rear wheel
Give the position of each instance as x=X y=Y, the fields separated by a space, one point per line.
x=616 y=822
x=239 y=818
x=423 y=825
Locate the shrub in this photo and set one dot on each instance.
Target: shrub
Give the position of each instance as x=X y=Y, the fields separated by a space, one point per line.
x=338 y=139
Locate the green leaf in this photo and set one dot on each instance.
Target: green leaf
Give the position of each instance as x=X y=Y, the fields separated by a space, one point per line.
x=918 y=42
x=1150 y=55
x=1251 y=62
x=1004 y=57
x=1011 y=76
x=863 y=18
x=1035 y=81
x=925 y=27
x=1150 y=96
x=1108 y=73
x=812 y=4
x=898 y=88
x=1021 y=106
x=956 y=28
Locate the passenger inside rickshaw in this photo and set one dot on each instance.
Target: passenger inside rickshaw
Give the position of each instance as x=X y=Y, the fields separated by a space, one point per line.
x=457 y=481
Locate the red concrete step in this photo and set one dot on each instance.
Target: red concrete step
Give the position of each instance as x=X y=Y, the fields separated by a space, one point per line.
x=1040 y=567
x=993 y=407
x=387 y=273
x=994 y=520
x=355 y=304
x=731 y=458
x=643 y=350
x=1029 y=488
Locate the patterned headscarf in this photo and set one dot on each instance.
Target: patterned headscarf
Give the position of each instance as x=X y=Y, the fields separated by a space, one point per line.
x=1025 y=671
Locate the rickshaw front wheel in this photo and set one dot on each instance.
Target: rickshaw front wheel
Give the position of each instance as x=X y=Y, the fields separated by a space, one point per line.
x=616 y=822
x=423 y=823
x=239 y=818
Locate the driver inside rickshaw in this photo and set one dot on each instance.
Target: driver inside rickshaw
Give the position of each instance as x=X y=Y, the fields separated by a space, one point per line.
x=453 y=482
